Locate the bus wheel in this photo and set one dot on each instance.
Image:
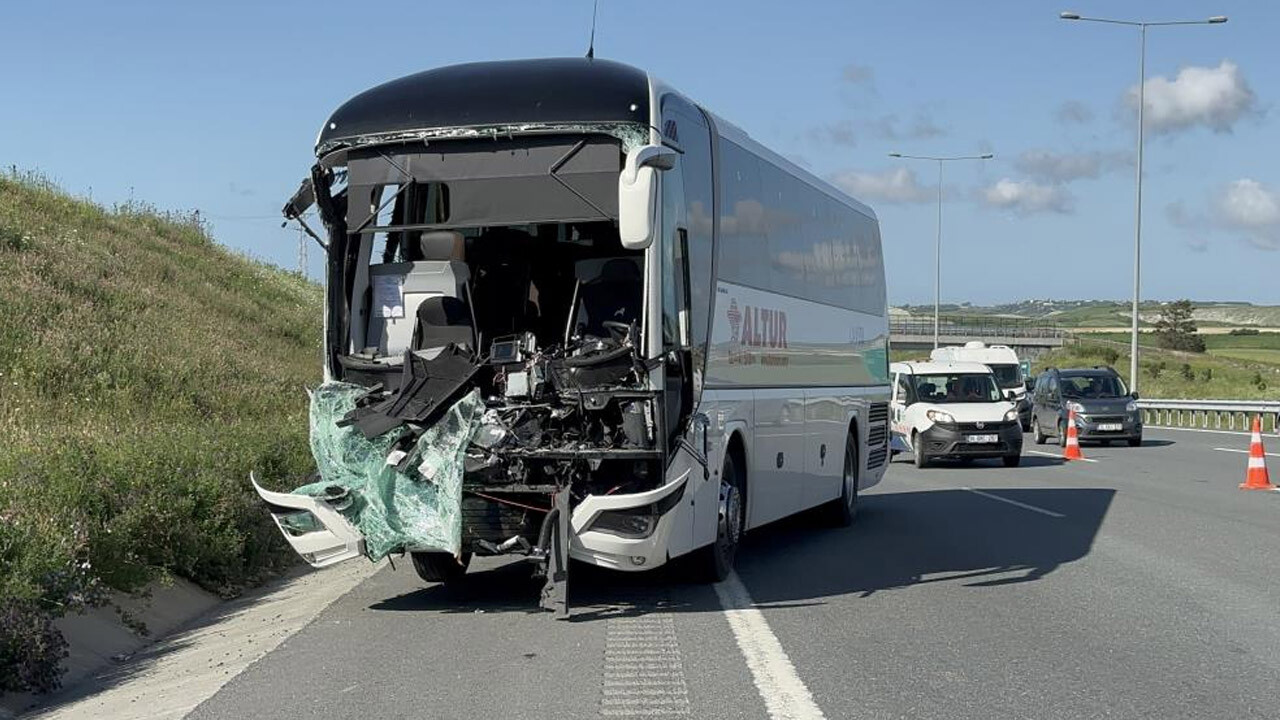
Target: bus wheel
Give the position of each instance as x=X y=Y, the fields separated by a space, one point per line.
x=843 y=509
x=715 y=561
x=440 y=567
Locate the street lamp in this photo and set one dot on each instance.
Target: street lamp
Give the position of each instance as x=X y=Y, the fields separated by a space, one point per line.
x=1142 y=101
x=937 y=248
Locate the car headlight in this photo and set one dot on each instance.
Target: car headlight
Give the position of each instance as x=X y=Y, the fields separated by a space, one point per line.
x=1132 y=406
x=1075 y=407
x=939 y=416
x=1011 y=415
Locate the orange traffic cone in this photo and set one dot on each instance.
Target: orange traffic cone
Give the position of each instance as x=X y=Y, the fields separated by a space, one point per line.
x=1256 y=477
x=1072 y=450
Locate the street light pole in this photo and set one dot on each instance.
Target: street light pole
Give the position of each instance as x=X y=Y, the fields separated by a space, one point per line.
x=937 y=246
x=1137 y=222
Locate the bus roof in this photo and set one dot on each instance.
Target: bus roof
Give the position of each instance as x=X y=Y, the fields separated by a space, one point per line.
x=506 y=92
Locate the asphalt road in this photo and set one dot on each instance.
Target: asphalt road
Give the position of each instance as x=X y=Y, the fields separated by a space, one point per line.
x=1144 y=584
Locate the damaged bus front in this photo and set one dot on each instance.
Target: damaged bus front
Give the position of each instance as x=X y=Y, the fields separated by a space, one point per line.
x=509 y=362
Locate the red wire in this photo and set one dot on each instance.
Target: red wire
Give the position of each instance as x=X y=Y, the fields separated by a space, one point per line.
x=513 y=503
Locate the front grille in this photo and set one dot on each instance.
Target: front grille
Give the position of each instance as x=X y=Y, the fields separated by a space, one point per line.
x=1103 y=418
x=986 y=427
x=978 y=447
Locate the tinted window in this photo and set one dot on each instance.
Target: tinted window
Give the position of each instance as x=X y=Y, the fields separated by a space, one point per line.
x=1093 y=386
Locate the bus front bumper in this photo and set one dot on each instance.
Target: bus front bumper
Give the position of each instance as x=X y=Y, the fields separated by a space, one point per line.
x=627 y=532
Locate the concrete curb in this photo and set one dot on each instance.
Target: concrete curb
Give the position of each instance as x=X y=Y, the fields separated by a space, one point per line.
x=206 y=643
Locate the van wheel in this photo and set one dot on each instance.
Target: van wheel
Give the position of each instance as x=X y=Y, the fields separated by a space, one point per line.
x=1062 y=433
x=922 y=457
x=714 y=562
x=1036 y=432
x=1135 y=442
x=1012 y=460
x=440 y=567
x=844 y=508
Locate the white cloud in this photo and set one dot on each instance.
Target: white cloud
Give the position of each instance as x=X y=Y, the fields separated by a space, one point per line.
x=1213 y=97
x=1073 y=112
x=1054 y=167
x=920 y=127
x=1251 y=208
x=897 y=185
x=839 y=133
x=857 y=74
x=1026 y=197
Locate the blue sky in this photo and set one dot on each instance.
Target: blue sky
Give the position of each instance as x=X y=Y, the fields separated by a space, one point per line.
x=215 y=106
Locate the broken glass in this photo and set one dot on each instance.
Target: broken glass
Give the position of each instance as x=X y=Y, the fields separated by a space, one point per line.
x=397 y=501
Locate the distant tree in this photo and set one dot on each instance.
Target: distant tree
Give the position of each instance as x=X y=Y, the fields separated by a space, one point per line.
x=1176 y=330
x=1110 y=356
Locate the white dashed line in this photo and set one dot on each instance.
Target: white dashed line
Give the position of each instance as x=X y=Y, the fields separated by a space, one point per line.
x=1015 y=503
x=1246 y=452
x=1056 y=455
x=785 y=695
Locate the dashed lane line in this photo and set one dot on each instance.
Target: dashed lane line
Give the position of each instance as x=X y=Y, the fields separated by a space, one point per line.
x=1246 y=452
x=785 y=695
x=1015 y=503
x=1056 y=455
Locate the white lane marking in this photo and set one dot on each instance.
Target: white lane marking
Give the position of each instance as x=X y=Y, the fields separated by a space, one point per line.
x=1056 y=455
x=1022 y=505
x=643 y=669
x=1246 y=452
x=785 y=695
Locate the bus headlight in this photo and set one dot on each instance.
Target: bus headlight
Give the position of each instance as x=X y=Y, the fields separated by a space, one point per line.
x=635 y=523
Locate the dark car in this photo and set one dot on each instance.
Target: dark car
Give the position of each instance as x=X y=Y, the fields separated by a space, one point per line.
x=1105 y=409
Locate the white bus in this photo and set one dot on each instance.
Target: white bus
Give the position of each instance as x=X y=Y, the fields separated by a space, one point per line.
x=685 y=335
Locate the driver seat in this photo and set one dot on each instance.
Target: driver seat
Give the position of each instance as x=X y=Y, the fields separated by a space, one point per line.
x=615 y=294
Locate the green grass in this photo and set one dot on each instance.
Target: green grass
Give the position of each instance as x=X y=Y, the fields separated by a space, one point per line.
x=1212 y=377
x=144 y=370
x=1262 y=349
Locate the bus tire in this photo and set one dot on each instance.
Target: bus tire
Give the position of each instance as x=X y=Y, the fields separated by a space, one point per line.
x=714 y=562
x=440 y=567
x=844 y=509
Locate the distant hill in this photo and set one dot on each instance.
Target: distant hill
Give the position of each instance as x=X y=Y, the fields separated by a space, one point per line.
x=1108 y=313
x=144 y=371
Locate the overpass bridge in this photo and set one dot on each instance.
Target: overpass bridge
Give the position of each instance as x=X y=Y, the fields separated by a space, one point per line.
x=1028 y=338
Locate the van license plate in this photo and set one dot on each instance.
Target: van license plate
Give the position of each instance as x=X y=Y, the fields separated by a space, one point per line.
x=1110 y=427
x=976 y=439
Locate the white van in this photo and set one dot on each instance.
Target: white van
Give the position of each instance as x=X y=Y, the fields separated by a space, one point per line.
x=954 y=410
x=1002 y=360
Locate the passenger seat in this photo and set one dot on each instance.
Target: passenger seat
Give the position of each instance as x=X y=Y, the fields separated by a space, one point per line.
x=441 y=273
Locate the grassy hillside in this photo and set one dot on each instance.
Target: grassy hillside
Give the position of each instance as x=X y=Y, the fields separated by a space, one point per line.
x=144 y=370
x=1167 y=374
x=1111 y=313
x=1263 y=348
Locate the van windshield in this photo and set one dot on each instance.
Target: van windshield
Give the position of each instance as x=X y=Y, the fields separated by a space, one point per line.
x=1009 y=376
x=957 y=388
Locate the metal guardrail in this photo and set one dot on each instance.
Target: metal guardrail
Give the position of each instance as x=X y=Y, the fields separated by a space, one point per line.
x=1215 y=414
x=976 y=327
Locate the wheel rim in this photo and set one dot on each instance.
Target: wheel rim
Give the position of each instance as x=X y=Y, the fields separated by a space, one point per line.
x=730 y=516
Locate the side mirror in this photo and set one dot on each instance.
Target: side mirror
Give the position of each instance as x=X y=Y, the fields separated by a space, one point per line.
x=1134 y=394
x=1010 y=395
x=638 y=194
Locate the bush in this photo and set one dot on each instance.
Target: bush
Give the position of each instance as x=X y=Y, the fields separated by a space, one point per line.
x=31 y=648
x=1245 y=331
x=1187 y=372
x=1155 y=369
x=1110 y=356
x=1206 y=374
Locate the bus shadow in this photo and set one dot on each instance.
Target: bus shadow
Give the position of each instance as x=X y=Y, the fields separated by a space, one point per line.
x=904 y=539
x=899 y=540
